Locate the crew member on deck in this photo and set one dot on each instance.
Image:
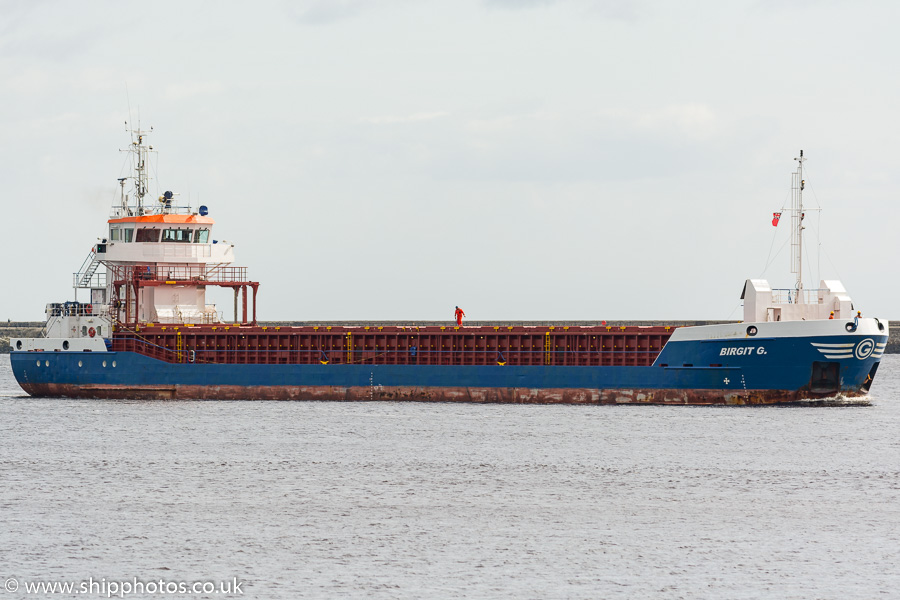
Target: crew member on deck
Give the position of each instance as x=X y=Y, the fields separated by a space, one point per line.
x=459 y=314
x=831 y=316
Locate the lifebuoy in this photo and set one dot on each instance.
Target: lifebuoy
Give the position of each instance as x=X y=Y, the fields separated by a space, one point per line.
x=87 y=309
x=91 y=332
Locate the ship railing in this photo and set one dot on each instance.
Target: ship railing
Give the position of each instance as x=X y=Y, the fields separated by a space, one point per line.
x=790 y=296
x=52 y=320
x=202 y=319
x=119 y=212
x=211 y=316
x=85 y=280
x=198 y=273
x=76 y=309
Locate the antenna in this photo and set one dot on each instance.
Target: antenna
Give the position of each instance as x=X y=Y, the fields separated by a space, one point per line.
x=128 y=101
x=123 y=197
x=797 y=216
x=140 y=163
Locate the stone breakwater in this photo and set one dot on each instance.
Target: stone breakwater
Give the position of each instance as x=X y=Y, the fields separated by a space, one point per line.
x=12 y=329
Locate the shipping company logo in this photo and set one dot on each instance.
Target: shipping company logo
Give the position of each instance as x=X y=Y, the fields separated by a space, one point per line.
x=862 y=350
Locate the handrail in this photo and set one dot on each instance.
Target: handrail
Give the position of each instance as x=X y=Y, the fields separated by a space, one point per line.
x=119 y=212
x=790 y=296
x=217 y=274
x=82 y=281
x=87 y=261
x=88 y=276
x=76 y=309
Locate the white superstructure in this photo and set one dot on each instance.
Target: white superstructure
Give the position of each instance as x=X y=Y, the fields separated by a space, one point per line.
x=152 y=266
x=830 y=300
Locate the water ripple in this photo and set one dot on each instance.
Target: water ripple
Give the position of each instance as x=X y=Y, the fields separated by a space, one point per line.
x=392 y=500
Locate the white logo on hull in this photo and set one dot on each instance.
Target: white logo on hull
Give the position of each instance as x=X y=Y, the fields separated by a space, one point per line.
x=862 y=350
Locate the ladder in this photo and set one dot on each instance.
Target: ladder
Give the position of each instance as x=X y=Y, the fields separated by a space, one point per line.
x=86 y=273
x=548 y=356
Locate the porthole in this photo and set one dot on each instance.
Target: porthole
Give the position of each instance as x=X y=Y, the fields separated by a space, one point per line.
x=19 y=342
x=850 y=327
x=65 y=344
x=751 y=331
x=38 y=363
x=114 y=364
x=104 y=363
x=46 y=363
x=79 y=364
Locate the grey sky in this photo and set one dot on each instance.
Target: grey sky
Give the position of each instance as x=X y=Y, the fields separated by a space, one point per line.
x=524 y=160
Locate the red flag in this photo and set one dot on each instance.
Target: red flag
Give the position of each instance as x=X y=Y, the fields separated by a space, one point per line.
x=775 y=217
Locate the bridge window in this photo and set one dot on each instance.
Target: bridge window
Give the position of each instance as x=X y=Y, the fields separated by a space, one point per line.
x=119 y=234
x=202 y=236
x=177 y=235
x=147 y=235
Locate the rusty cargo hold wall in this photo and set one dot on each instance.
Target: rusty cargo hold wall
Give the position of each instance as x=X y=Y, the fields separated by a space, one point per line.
x=550 y=346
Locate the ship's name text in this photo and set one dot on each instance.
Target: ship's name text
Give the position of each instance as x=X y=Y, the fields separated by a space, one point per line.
x=746 y=350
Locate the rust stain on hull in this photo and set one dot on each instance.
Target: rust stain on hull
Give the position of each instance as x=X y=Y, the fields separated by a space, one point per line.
x=432 y=394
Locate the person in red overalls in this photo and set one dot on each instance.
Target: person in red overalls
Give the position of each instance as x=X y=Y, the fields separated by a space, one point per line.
x=459 y=314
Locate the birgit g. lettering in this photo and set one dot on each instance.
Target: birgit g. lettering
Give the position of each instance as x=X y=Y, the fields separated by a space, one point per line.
x=742 y=351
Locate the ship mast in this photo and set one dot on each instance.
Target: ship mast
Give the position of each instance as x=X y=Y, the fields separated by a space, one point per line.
x=141 y=163
x=797 y=215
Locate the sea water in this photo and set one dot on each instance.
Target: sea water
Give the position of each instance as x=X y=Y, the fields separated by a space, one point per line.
x=392 y=500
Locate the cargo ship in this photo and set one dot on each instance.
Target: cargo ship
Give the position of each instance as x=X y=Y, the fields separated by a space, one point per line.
x=146 y=331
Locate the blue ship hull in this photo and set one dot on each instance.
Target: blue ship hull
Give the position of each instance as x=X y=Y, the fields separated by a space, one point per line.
x=710 y=370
